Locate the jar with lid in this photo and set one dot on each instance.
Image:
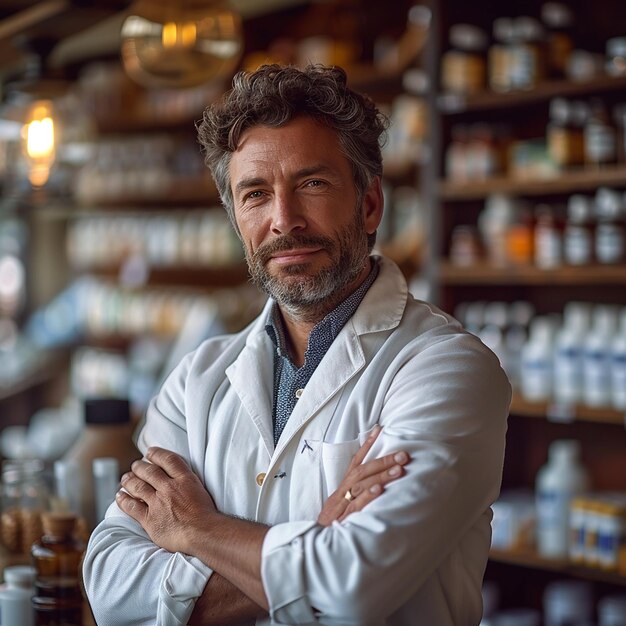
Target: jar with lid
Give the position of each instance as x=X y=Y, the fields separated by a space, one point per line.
x=564 y=136
x=464 y=66
x=528 y=58
x=558 y=20
x=57 y=557
x=25 y=495
x=499 y=56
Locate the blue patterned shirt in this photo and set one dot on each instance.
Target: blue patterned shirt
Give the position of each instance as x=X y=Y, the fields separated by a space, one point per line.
x=289 y=380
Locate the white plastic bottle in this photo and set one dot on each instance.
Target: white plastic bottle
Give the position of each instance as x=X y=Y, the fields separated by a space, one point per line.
x=568 y=353
x=560 y=480
x=537 y=360
x=618 y=366
x=597 y=356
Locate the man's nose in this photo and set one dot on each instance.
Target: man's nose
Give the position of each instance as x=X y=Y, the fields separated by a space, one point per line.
x=287 y=214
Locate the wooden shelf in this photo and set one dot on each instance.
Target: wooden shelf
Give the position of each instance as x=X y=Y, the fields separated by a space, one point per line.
x=555 y=412
x=48 y=367
x=452 y=104
x=533 y=561
x=566 y=183
x=486 y=274
x=184 y=191
x=187 y=276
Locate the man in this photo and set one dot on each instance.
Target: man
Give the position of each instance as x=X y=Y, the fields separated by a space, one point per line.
x=335 y=462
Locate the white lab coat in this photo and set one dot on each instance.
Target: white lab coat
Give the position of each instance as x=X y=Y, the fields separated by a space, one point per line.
x=413 y=557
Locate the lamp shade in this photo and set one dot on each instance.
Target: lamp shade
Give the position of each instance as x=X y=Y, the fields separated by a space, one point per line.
x=180 y=44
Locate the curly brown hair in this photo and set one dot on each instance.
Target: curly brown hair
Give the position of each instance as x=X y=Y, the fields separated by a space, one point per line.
x=272 y=96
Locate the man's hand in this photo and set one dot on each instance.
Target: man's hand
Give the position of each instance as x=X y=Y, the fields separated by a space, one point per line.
x=363 y=482
x=167 y=499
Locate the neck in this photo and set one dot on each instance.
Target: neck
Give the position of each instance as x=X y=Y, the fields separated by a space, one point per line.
x=298 y=324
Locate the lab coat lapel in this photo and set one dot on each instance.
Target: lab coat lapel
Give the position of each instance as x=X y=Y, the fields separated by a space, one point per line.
x=252 y=376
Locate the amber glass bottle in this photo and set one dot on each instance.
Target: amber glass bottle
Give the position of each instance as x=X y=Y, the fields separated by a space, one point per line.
x=56 y=556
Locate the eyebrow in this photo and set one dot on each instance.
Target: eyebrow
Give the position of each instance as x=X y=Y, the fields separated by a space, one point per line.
x=255 y=181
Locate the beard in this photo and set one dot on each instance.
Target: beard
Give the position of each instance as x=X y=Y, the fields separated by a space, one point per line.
x=309 y=296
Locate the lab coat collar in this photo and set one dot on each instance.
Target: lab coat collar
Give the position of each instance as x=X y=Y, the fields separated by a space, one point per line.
x=251 y=375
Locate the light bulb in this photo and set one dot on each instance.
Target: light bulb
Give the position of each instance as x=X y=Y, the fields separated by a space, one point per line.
x=180 y=44
x=38 y=136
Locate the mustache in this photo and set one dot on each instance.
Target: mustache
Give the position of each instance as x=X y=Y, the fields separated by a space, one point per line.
x=288 y=242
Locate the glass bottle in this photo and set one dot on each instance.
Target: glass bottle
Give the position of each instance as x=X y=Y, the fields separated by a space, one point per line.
x=56 y=556
x=25 y=496
x=565 y=138
x=464 y=66
x=578 y=235
x=558 y=19
x=600 y=137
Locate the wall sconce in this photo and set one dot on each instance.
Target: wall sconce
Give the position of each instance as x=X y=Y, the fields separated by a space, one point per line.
x=180 y=44
x=38 y=141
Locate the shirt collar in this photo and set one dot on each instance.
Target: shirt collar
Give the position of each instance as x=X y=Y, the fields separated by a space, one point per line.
x=326 y=330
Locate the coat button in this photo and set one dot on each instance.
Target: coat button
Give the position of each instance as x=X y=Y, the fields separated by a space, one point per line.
x=260 y=479
x=299 y=392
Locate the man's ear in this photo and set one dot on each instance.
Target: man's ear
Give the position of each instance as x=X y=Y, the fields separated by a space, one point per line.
x=373 y=204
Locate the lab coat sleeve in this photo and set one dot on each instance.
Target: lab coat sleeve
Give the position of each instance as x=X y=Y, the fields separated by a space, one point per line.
x=128 y=579
x=447 y=406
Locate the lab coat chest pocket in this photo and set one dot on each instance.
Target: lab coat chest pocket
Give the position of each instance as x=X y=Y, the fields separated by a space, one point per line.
x=336 y=457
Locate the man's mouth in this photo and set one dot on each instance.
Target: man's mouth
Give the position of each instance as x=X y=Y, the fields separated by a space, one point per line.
x=295 y=255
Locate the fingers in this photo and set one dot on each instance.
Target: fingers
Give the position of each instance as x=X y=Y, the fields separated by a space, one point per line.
x=377 y=467
x=134 y=508
x=135 y=486
x=171 y=463
x=357 y=459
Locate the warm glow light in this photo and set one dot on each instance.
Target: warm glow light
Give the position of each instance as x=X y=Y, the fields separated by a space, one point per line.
x=40 y=138
x=181 y=44
x=39 y=142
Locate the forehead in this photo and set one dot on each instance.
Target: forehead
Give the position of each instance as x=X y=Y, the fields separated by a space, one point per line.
x=298 y=144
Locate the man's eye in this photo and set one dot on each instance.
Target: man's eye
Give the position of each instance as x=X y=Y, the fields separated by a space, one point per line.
x=254 y=195
x=315 y=183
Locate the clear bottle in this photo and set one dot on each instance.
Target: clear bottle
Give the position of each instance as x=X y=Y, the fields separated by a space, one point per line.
x=610 y=233
x=548 y=238
x=557 y=483
x=597 y=356
x=618 y=366
x=578 y=235
x=25 y=496
x=567 y=602
x=536 y=370
x=600 y=137
x=568 y=353
x=106 y=473
x=56 y=557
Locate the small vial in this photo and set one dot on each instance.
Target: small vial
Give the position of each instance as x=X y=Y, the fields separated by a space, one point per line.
x=106 y=475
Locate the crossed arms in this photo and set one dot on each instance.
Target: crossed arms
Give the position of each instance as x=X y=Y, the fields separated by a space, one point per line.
x=170 y=503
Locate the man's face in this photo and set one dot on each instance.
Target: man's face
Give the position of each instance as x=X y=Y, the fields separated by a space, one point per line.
x=295 y=203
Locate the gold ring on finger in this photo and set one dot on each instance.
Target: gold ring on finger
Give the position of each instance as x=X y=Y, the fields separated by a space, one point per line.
x=348 y=496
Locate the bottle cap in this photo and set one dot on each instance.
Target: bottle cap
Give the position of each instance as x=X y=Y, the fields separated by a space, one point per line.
x=564 y=449
x=104 y=466
x=556 y=15
x=58 y=523
x=107 y=411
x=20 y=576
